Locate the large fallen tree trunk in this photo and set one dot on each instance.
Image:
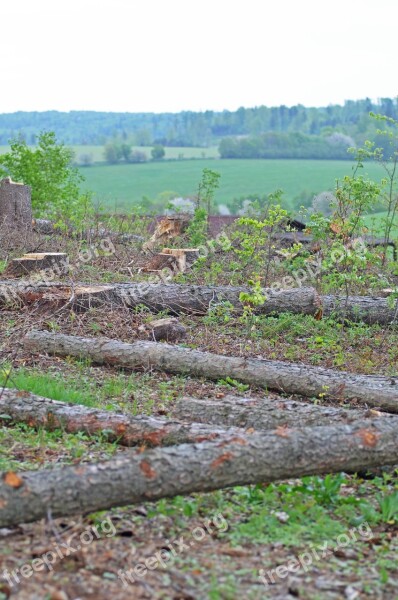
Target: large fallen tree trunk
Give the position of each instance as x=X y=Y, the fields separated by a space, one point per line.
x=18 y=406
x=174 y=297
x=55 y=296
x=166 y=472
x=196 y=299
x=278 y=375
x=264 y=413
x=23 y=407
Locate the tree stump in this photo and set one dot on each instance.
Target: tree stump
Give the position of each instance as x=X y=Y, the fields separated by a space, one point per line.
x=168 y=329
x=57 y=262
x=15 y=205
x=168 y=228
x=186 y=256
x=161 y=261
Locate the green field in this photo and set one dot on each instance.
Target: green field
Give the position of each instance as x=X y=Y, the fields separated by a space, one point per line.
x=122 y=186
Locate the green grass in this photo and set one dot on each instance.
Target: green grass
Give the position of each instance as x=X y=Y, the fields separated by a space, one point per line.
x=50 y=386
x=123 y=186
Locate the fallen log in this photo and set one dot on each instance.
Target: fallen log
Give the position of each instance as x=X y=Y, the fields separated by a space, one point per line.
x=250 y=458
x=177 y=298
x=373 y=390
x=197 y=299
x=361 y=308
x=18 y=406
x=263 y=413
x=49 y=296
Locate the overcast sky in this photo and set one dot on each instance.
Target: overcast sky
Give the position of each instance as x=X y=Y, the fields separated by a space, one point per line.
x=172 y=55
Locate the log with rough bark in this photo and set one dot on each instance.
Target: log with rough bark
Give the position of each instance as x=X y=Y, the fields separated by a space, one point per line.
x=377 y=391
x=43 y=262
x=362 y=308
x=177 y=299
x=53 y=297
x=18 y=406
x=197 y=299
x=15 y=205
x=243 y=459
x=264 y=413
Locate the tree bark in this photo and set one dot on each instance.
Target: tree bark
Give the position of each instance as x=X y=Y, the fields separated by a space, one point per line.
x=15 y=205
x=191 y=299
x=287 y=377
x=198 y=299
x=263 y=413
x=49 y=296
x=361 y=308
x=233 y=414
x=23 y=407
x=251 y=458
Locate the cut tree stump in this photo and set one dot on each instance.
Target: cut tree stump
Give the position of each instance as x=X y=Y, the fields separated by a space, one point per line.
x=175 y=259
x=243 y=459
x=168 y=228
x=291 y=378
x=264 y=413
x=169 y=330
x=43 y=262
x=185 y=256
x=15 y=206
x=161 y=261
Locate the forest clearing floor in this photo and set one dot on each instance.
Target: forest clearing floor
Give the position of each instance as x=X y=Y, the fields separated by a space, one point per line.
x=340 y=531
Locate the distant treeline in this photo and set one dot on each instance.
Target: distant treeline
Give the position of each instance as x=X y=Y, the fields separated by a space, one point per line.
x=209 y=128
x=287 y=145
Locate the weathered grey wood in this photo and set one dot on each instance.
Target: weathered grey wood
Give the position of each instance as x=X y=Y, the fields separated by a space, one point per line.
x=362 y=308
x=278 y=375
x=15 y=206
x=264 y=413
x=183 y=298
x=195 y=299
x=137 y=476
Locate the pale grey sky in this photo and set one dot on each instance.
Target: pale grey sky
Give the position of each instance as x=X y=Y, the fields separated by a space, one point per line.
x=172 y=55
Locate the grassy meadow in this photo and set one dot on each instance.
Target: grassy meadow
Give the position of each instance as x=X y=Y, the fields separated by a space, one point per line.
x=122 y=186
